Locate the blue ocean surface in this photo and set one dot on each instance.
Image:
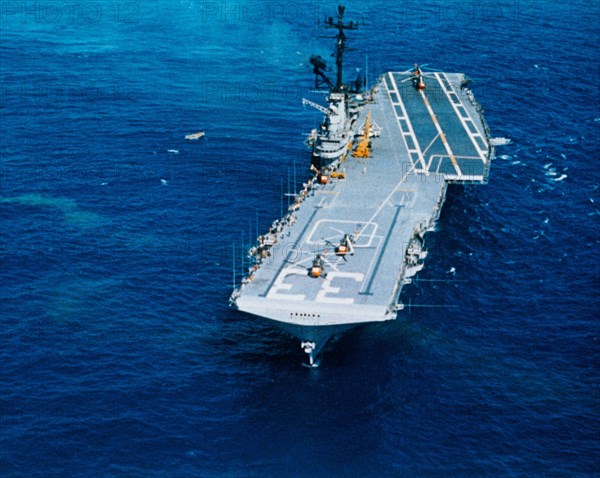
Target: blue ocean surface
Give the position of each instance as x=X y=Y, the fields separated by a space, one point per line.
x=119 y=241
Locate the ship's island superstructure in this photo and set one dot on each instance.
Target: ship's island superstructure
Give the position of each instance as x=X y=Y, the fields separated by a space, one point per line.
x=354 y=235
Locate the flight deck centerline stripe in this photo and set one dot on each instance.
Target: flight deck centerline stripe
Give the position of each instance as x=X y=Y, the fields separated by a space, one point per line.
x=442 y=135
x=405 y=117
x=382 y=253
x=462 y=119
x=292 y=251
x=384 y=202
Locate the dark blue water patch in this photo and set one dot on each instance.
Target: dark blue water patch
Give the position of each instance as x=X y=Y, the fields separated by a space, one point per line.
x=119 y=241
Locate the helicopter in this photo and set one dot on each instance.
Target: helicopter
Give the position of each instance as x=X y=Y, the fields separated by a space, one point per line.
x=344 y=247
x=318 y=268
x=417 y=76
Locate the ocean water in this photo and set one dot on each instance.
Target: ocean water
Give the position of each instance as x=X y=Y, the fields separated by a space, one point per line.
x=118 y=353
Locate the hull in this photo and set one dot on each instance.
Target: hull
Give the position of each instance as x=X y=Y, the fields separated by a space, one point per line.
x=313 y=338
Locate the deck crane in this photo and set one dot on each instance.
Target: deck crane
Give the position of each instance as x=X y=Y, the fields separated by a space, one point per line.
x=322 y=109
x=363 y=149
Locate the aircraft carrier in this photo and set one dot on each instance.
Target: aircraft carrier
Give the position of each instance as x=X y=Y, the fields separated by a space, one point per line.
x=354 y=235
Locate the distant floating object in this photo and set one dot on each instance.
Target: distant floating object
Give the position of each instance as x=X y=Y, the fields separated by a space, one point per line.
x=164 y=182
x=195 y=136
x=173 y=151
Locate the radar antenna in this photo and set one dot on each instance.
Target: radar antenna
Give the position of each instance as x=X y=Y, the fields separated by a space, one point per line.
x=340 y=47
x=319 y=68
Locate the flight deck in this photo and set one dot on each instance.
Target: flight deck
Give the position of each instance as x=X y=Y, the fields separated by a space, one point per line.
x=425 y=139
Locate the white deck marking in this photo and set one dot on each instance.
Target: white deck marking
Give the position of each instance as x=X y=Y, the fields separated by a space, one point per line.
x=279 y=285
x=324 y=295
x=375 y=214
x=330 y=239
x=430 y=145
x=296 y=267
x=409 y=196
x=463 y=119
x=417 y=149
x=389 y=138
x=441 y=133
x=311 y=240
x=332 y=264
x=465 y=177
